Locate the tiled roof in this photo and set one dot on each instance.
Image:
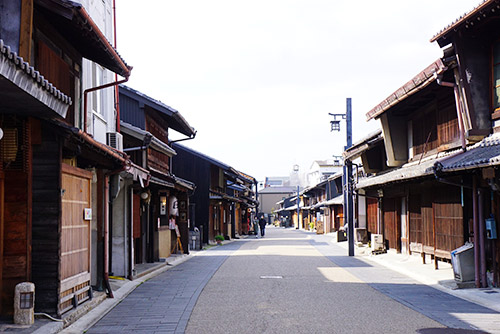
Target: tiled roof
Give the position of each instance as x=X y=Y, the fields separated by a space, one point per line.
x=29 y=71
x=412 y=170
x=486 y=153
x=420 y=81
x=478 y=13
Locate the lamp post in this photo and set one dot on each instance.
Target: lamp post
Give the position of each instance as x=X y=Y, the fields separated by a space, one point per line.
x=296 y=169
x=347 y=174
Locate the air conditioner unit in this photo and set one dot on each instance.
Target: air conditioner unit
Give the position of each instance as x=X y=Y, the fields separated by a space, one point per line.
x=115 y=140
x=377 y=242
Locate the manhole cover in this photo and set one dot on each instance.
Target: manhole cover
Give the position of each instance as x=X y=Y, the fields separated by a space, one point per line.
x=271 y=277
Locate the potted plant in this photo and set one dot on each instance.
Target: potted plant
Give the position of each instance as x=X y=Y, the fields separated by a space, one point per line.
x=219 y=238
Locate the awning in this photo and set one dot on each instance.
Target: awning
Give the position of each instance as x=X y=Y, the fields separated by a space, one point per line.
x=184 y=183
x=74 y=23
x=141 y=134
x=339 y=200
x=138 y=174
x=158 y=181
x=411 y=170
x=357 y=149
x=485 y=153
x=24 y=91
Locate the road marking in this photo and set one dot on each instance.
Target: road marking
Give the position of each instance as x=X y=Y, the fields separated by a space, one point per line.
x=271 y=277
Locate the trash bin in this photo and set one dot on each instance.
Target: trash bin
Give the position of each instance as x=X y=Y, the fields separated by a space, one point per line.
x=195 y=239
x=462 y=260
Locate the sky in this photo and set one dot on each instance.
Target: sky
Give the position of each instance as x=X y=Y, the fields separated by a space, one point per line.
x=257 y=79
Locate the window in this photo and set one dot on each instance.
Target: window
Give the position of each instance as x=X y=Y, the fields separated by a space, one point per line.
x=496 y=76
x=98 y=97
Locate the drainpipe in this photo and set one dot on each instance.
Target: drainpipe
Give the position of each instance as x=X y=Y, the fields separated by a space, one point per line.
x=482 y=252
x=93 y=89
x=476 y=233
x=117 y=94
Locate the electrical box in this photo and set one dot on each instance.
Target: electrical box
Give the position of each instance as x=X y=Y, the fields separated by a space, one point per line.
x=377 y=242
x=491 y=228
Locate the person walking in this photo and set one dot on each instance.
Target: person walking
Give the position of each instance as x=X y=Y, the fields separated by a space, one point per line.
x=256 y=227
x=262 y=225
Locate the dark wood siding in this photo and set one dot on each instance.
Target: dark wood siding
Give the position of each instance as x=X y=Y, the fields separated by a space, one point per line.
x=130 y=112
x=392 y=223
x=416 y=232
x=428 y=221
x=15 y=156
x=46 y=217
x=371 y=214
x=448 y=218
x=195 y=169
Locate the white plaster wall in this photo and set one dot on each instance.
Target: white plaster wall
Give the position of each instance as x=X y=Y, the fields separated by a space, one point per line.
x=97 y=125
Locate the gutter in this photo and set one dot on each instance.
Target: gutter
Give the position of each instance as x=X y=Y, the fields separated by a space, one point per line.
x=93 y=89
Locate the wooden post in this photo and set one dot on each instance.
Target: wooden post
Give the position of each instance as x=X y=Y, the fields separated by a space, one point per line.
x=26 y=29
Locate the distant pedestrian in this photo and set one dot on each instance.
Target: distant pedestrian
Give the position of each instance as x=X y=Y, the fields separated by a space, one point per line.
x=256 y=227
x=262 y=225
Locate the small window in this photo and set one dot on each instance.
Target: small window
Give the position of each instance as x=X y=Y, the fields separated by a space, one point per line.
x=496 y=76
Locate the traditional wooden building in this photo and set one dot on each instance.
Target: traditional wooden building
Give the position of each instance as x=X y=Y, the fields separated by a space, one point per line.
x=333 y=206
x=433 y=183
x=54 y=174
x=145 y=125
x=223 y=195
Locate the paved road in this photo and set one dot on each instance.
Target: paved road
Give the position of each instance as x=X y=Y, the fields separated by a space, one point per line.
x=288 y=282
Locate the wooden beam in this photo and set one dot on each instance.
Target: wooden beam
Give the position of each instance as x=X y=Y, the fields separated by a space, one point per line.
x=1 y=230
x=26 y=29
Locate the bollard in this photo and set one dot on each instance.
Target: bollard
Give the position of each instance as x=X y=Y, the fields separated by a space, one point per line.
x=24 y=304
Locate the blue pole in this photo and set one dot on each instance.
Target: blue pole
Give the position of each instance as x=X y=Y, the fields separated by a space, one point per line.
x=348 y=178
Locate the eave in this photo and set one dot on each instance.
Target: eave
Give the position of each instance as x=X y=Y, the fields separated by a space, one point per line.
x=24 y=91
x=419 y=82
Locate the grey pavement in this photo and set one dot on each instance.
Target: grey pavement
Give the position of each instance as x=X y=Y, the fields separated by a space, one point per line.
x=163 y=304
x=293 y=281
x=298 y=282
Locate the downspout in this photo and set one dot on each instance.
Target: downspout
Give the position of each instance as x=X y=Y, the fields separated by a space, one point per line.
x=476 y=233
x=113 y=53
x=482 y=252
x=117 y=94
x=93 y=89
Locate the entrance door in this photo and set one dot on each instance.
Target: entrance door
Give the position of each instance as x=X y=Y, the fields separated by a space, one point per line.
x=75 y=237
x=392 y=223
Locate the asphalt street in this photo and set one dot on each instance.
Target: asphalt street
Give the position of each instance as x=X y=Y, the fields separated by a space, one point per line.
x=290 y=281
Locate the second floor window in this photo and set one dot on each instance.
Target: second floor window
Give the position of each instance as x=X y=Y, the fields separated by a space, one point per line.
x=98 y=97
x=496 y=76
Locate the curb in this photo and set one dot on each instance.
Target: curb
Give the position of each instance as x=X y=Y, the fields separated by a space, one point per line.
x=97 y=313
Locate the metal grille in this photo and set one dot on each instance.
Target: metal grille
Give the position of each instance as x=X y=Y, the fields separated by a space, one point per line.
x=14 y=144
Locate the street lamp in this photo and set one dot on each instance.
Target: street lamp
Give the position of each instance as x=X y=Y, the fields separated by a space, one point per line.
x=296 y=169
x=347 y=173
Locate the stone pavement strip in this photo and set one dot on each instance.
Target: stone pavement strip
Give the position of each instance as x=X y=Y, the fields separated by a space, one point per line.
x=164 y=303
